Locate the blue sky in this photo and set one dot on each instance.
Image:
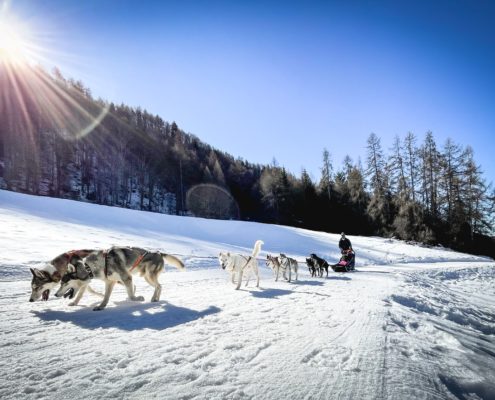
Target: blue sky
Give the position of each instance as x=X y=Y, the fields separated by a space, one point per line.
x=265 y=79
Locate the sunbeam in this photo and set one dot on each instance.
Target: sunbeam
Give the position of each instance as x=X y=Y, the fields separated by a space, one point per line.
x=31 y=95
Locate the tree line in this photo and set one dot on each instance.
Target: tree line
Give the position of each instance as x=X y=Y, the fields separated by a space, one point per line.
x=57 y=140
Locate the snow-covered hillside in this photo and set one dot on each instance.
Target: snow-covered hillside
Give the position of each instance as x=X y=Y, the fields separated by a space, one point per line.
x=410 y=323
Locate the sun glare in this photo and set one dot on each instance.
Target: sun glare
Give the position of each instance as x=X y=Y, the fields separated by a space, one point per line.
x=27 y=86
x=16 y=47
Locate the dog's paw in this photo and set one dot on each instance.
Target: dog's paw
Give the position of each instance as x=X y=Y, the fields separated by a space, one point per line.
x=72 y=304
x=138 y=298
x=98 y=308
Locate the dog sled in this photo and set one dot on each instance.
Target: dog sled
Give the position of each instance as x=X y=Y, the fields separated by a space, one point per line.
x=346 y=263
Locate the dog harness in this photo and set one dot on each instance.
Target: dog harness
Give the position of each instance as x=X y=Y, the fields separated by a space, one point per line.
x=105 y=262
x=138 y=261
x=73 y=275
x=247 y=262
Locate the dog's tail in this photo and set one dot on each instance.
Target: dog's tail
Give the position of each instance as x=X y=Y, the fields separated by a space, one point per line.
x=257 y=248
x=173 y=261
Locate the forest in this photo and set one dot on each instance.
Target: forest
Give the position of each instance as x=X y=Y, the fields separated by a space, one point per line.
x=57 y=140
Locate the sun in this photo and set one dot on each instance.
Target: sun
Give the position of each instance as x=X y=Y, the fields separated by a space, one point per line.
x=16 y=45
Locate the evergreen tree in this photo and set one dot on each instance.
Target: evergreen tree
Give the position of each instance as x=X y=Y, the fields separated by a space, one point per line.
x=411 y=162
x=398 y=183
x=326 y=175
x=376 y=164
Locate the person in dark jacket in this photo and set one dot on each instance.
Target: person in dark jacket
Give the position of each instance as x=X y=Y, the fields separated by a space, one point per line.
x=344 y=244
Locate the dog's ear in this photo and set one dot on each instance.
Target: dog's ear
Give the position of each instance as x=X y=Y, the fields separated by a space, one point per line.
x=71 y=268
x=228 y=254
x=38 y=273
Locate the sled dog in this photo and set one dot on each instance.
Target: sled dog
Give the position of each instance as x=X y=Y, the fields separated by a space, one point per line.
x=47 y=278
x=238 y=264
x=281 y=263
x=274 y=264
x=311 y=266
x=116 y=265
x=321 y=264
x=289 y=264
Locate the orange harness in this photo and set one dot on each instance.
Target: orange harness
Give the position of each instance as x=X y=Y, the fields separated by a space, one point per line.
x=138 y=261
x=71 y=254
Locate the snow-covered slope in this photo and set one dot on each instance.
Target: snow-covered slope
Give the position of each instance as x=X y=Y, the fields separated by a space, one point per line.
x=412 y=322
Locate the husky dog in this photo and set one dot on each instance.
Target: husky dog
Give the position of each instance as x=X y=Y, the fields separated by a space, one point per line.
x=321 y=264
x=240 y=264
x=116 y=265
x=48 y=277
x=311 y=266
x=274 y=263
x=289 y=264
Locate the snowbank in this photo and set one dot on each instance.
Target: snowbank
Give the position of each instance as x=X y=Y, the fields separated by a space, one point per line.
x=412 y=322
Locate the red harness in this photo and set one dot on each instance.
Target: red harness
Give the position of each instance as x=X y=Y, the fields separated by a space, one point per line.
x=138 y=261
x=71 y=254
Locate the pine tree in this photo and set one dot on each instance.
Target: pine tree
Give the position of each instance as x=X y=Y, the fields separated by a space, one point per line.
x=326 y=174
x=398 y=183
x=449 y=184
x=376 y=164
x=430 y=160
x=411 y=162
x=380 y=206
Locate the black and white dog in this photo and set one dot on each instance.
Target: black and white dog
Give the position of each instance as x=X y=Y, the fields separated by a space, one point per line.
x=311 y=266
x=320 y=264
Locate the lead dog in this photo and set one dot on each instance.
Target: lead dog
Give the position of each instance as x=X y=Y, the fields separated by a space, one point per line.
x=289 y=264
x=240 y=264
x=46 y=278
x=117 y=265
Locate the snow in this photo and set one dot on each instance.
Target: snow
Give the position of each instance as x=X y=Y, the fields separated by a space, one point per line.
x=411 y=323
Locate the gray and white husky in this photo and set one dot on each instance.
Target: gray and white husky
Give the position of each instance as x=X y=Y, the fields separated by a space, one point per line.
x=116 y=265
x=238 y=264
x=274 y=264
x=289 y=264
x=47 y=278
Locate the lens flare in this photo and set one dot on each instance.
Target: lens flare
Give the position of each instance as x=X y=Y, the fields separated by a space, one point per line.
x=28 y=94
x=17 y=46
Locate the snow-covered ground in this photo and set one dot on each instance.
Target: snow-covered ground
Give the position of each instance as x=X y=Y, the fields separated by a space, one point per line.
x=410 y=323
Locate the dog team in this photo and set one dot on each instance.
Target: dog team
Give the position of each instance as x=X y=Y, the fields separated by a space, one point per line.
x=75 y=270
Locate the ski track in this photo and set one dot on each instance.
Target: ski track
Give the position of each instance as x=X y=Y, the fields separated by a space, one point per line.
x=411 y=323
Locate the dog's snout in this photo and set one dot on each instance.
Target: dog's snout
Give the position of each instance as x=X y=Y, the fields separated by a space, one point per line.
x=31 y=300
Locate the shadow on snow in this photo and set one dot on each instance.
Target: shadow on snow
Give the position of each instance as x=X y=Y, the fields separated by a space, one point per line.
x=270 y=293
x=129 y=316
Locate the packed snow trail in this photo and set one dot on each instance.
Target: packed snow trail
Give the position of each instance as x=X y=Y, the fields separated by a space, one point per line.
x=411 y=323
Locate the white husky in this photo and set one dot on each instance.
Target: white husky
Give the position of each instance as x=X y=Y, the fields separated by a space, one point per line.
x=240 y=264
